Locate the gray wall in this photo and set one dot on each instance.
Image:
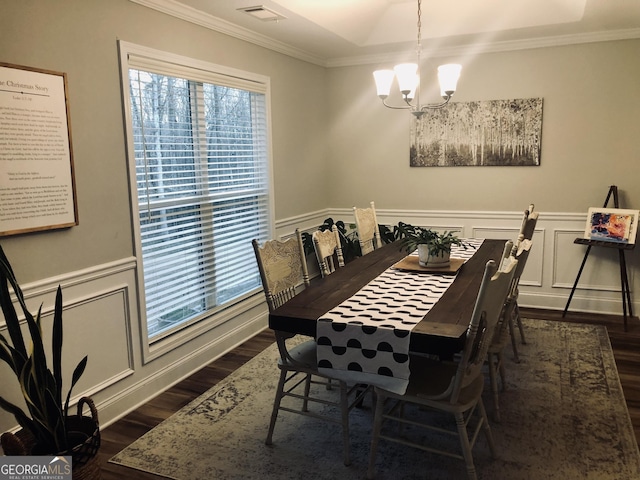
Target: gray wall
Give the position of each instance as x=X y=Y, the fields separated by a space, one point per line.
x=94 y=261
x=591 y=98
x=80 y=37
x=590 y=134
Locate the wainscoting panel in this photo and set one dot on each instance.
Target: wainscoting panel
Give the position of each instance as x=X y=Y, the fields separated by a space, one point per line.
x=100 y=329
x=532 y=274
x=96 y=323
x=601 y=271
x=100 y=319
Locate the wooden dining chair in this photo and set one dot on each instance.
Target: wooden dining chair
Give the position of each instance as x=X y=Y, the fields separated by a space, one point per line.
x=449 y=387
x=328 y=250
x=367 y=228
x=527 y=229
x=283 y=270
x=504 y=330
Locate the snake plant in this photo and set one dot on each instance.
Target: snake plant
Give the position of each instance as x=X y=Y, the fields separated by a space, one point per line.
x=41 y=387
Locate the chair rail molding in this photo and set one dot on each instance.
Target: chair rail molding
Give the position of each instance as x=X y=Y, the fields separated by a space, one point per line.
x=102 y=316
x=551 y=268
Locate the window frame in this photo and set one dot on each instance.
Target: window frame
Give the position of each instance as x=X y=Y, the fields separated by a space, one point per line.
x=137 y=56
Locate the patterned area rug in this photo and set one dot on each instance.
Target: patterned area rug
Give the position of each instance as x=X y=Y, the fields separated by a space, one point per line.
x=563 y=417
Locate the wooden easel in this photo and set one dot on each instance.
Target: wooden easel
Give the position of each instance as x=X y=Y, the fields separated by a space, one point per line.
x=621 y=247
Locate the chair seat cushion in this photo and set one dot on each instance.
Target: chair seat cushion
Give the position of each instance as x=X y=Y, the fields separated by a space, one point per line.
x=431 y=382
x=430 y=378
x=303 y=354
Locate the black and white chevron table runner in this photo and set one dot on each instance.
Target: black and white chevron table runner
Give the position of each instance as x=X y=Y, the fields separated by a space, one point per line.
x=365 y=339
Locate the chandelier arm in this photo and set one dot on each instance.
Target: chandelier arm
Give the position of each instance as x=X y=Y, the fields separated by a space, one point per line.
x=434 y=106
x=403 y=107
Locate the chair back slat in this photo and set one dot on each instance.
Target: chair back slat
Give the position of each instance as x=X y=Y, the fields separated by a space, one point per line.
x=529 y=220
x=283 y=268
x=367 y=228
x=328 y=250
x=522 y=245
x=282 y=297
x=520 y=252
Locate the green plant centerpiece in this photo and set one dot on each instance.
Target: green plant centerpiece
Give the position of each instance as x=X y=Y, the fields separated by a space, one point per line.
x=46 y=421
x=348 y=238
x=434 y=248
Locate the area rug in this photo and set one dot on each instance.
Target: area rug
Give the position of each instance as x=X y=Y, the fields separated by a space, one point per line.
x=563 y=417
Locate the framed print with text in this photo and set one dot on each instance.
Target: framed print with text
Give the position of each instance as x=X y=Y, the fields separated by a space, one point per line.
x=37 y=184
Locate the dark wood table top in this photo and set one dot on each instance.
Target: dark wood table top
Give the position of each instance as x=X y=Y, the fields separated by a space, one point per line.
x=440 y=332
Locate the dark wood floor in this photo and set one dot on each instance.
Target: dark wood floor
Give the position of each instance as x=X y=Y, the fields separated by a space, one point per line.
x=626 y=348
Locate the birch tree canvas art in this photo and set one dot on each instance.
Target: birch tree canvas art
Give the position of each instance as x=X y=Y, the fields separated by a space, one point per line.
x=494 y=132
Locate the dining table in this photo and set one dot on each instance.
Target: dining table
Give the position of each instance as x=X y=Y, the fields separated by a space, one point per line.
x=441 y=331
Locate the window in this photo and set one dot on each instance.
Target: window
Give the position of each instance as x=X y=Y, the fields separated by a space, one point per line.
x=199 y=139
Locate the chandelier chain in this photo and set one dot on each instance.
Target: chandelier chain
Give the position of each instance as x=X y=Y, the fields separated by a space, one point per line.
x=419 y=43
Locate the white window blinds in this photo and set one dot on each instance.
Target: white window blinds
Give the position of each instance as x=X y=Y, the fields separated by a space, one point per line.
x=202 y=181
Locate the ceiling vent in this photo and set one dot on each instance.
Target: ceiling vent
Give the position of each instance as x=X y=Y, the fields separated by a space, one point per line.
x=263 y=13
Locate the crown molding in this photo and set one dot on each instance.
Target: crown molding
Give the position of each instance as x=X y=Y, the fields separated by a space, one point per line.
x=198 y=17
x=496 y=47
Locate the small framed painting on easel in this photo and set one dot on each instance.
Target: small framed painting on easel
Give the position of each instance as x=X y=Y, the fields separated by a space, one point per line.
x=612 y=225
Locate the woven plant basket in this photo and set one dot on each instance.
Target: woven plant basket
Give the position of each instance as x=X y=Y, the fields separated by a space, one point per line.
x=84 y=455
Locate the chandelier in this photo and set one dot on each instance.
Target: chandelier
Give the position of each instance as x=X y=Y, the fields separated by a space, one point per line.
x=408 y=77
